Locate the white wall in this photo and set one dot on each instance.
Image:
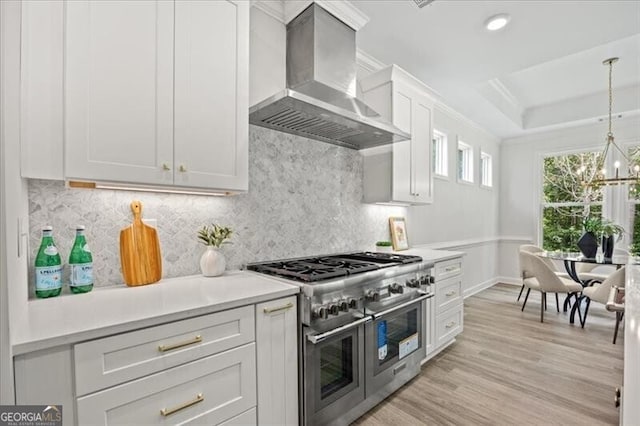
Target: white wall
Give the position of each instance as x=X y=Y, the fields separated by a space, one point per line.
x=463 y=216
x=520 y=180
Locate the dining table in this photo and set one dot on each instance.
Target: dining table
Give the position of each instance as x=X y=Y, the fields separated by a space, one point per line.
x=570 y=259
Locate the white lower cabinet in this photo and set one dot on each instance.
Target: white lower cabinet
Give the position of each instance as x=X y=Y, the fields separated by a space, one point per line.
x=446 y=309
x=208 y=391
x=277 y=350
x=231 y=367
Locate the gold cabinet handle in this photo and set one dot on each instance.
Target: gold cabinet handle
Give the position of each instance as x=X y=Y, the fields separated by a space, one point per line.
x=182 y=168
x=165 y=348
x=279 y=308
x=165 y=167
x=451 y=324
x=451 y=293
x=169 y=411
x=451 y=268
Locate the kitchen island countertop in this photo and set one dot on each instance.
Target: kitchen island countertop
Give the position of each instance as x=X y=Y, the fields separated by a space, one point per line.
x=104 y=311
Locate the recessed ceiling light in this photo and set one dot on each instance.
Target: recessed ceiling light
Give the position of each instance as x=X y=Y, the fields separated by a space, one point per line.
x=497 y=22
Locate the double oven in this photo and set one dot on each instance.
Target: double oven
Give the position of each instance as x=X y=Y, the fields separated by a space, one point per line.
x=362 y=328
x=350 y=368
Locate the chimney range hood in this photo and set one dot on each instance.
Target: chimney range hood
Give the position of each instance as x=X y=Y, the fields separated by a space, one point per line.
x=319 y=101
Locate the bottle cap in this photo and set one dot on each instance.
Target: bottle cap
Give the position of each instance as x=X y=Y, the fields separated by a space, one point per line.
x=79 y=227
x=47 y=228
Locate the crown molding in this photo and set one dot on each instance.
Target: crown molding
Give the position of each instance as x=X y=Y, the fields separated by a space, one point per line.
x=273 y=8
x=367 y=61
x=343 y=10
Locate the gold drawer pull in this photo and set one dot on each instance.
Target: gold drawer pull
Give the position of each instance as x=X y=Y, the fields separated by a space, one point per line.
x=279 y=308
x=452 y=268
x=451 y=324
x=451 y=293
x=165 y=348
x=169 y=411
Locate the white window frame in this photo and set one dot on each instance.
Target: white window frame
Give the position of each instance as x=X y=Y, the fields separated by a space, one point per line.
x=465 y=170
x=486 y=170
x=539 y=171
x=440 y=151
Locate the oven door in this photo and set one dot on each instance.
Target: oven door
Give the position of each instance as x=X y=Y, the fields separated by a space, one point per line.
x=395 y=345
x=333 y=372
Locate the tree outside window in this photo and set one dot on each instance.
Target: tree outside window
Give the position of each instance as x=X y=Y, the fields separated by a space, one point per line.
x=566 y=201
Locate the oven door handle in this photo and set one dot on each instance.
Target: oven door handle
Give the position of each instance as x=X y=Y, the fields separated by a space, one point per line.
x=423 y=296
x=317 y=338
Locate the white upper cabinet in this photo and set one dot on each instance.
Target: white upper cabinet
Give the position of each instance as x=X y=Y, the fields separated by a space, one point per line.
x=153 y=92
x=399 y=173
x=119 y=91
x=211 y=94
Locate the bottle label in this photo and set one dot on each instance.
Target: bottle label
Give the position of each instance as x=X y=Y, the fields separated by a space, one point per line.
x=51 y=250
x=48 y=277
x=81 y=274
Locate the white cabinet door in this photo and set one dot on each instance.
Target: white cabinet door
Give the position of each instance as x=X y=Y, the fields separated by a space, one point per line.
x=41 y=77
x=412 y=159
x=277 y=355
x=211 y=94
x=119 y=90
x=401 y=173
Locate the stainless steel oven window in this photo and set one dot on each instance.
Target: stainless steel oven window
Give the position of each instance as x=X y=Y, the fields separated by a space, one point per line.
x=397 y=335
x=333 y=369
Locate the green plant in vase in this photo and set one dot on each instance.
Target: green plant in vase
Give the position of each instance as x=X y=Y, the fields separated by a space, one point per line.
x=212 y=262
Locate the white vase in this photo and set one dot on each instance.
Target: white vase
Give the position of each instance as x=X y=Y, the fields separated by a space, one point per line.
x=384 y=249
x=212 y=262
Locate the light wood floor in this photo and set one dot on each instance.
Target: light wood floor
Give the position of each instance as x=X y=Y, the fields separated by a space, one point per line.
x=507 y=368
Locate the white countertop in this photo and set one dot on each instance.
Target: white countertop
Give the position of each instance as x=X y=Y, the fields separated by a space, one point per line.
x=104 y=311
x=431 y=255
x=631 y=396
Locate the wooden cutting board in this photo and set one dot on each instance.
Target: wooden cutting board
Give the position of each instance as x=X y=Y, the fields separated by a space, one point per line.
x=140 y=251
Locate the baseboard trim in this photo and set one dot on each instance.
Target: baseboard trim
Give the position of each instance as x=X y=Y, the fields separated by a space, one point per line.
x=479 y=287
x=509 y=280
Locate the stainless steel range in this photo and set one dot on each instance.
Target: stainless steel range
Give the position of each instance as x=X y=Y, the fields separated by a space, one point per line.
x=362 y=328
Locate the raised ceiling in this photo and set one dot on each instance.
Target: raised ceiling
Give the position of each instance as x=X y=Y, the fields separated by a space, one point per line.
x=543 y=70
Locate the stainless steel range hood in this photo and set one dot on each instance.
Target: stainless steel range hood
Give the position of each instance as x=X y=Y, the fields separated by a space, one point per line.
x=319 y=101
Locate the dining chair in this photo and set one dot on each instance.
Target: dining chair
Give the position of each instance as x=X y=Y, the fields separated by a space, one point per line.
x=599 y=292
x=530 y=248
x=545 y=280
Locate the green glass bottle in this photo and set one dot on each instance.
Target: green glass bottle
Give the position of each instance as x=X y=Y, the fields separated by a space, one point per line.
x=48 y=266
x=81 y=264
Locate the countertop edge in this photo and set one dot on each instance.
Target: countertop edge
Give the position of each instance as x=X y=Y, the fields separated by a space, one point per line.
x=20 y=347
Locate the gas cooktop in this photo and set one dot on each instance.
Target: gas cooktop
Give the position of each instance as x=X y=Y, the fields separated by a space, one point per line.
x=320 y=268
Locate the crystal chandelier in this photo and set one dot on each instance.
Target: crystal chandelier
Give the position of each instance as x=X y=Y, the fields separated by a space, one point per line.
x=600 y=177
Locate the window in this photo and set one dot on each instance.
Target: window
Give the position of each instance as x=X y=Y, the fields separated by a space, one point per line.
x=486 y=170
x=565 y=202
x=465 y=162
x=633 y=224
x=440 y=154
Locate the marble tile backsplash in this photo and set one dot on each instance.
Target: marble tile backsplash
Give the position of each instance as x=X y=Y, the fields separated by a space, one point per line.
x=304 y=199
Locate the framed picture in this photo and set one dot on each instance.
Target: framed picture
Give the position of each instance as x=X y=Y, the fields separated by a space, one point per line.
x=398 y=229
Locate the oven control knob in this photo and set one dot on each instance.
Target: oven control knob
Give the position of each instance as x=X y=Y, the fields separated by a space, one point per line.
x=334 y=309
x=343 y=305
x=320 y=312
x=353 y=303
x=373 y=295
x=413 y=283
x=396 y=288
x=432 y=279
x=424 y=280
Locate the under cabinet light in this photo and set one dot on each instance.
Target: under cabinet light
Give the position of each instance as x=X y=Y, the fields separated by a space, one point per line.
x=142 y=188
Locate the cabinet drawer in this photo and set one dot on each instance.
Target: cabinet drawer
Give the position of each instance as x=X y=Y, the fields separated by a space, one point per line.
x=448 y=325
x=448 y=269
x=245 y=419
x=448 y=294
x=207 y=391
x=113 y=360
